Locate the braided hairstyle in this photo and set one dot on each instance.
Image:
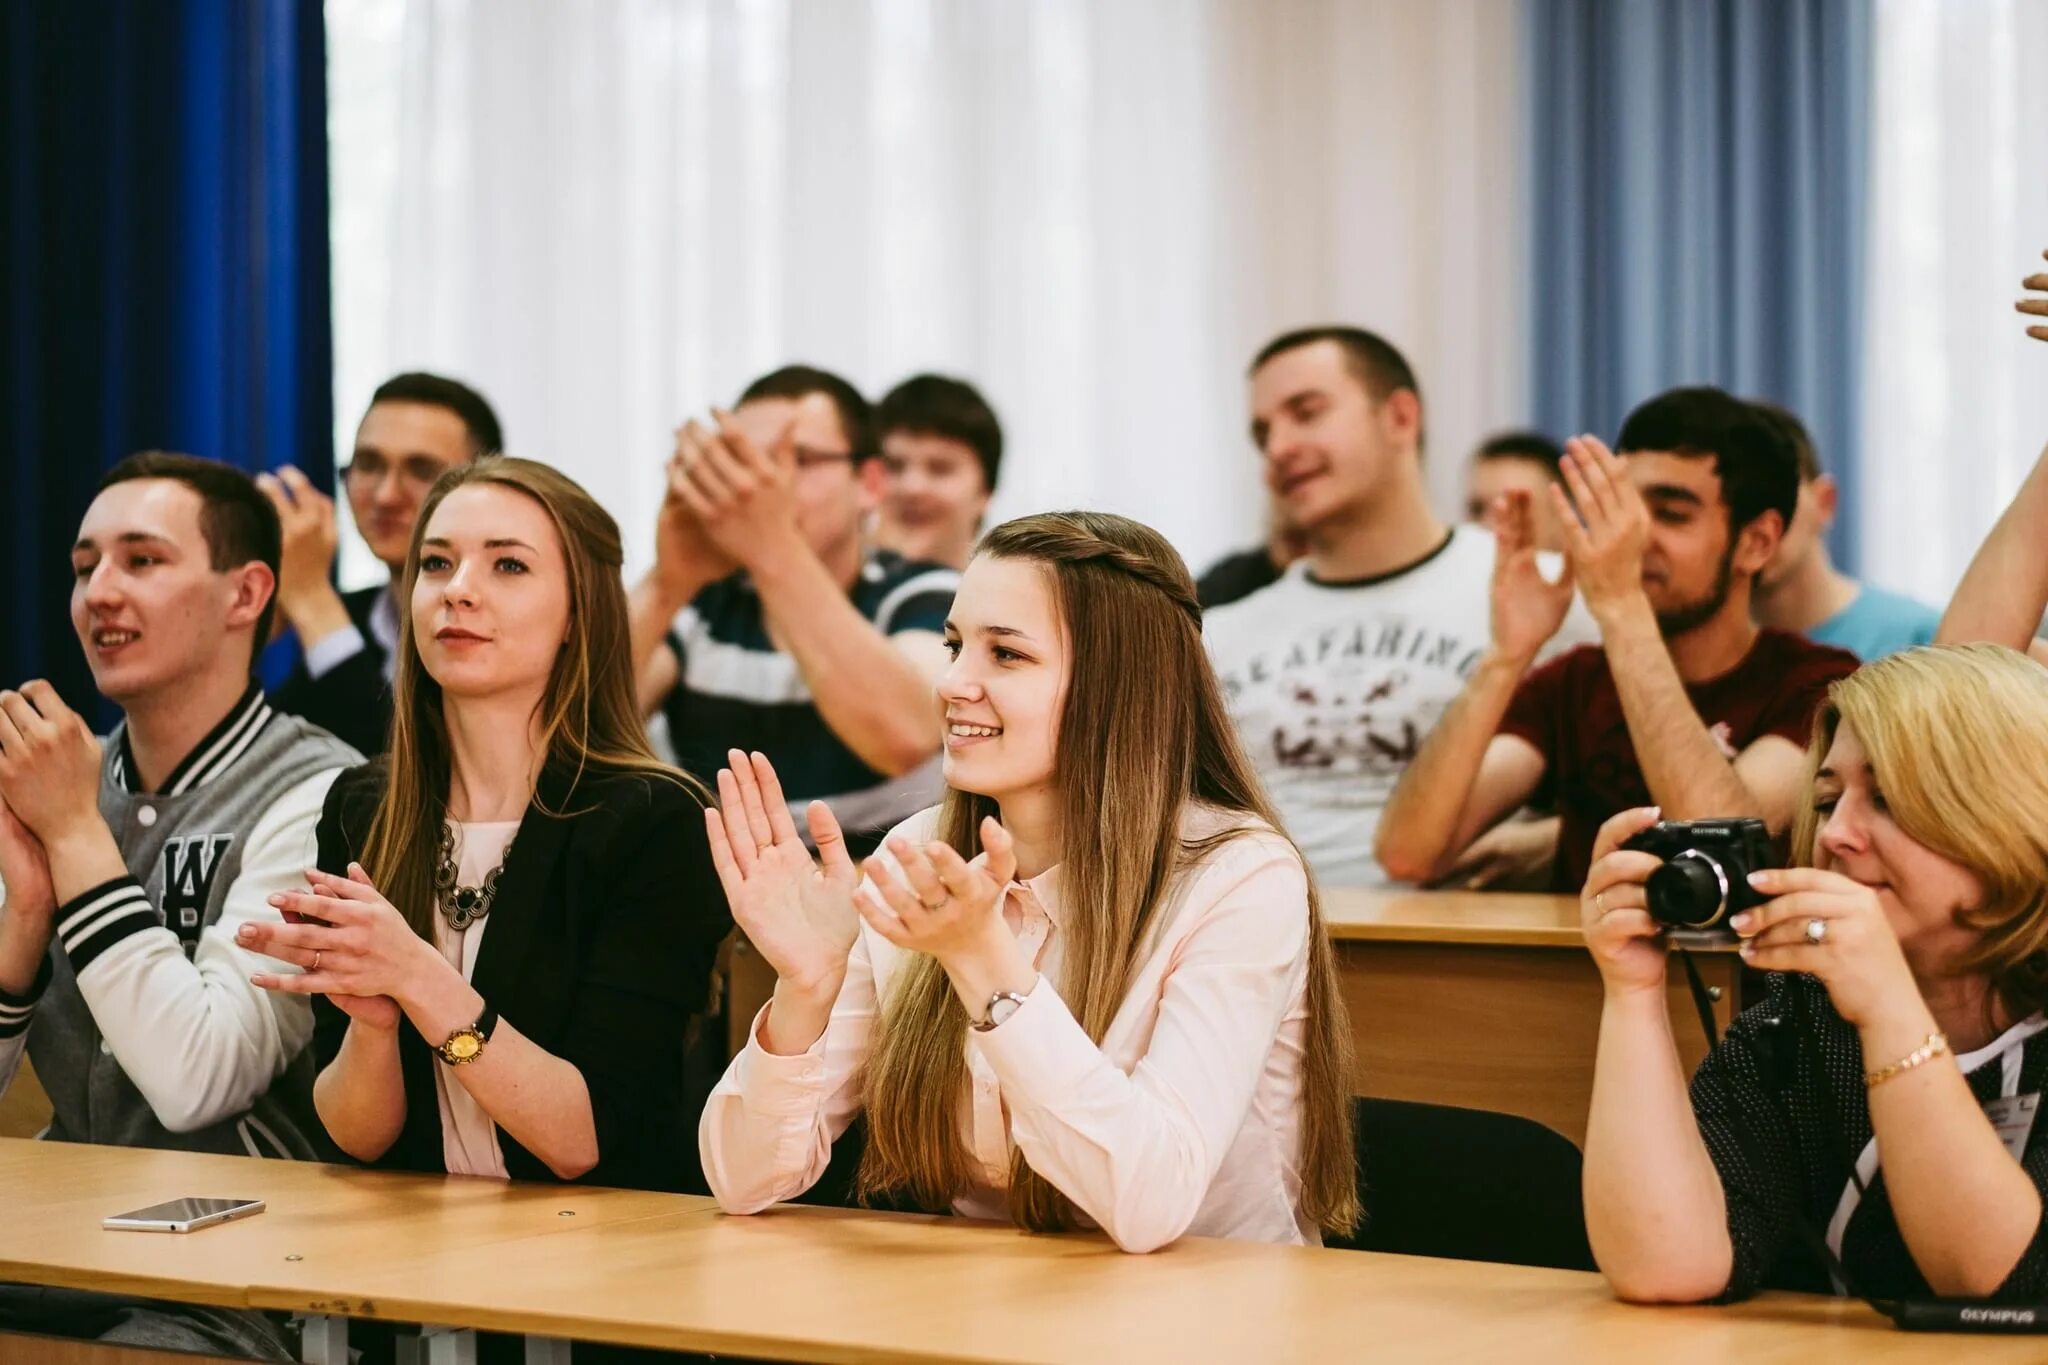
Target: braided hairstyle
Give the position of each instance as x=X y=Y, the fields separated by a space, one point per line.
x=1143 y=731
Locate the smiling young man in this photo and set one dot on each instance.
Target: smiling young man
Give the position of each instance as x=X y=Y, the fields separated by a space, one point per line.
x=1686 y=704
x=766 y=624
x=129 y=865
x=418 y=426
x=942 y=448
x=1335 y=672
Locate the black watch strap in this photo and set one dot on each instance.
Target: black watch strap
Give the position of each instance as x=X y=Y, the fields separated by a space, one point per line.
x=487 y=1022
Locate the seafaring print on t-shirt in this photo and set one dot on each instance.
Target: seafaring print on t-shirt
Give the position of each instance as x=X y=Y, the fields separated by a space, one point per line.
x=1348 y=706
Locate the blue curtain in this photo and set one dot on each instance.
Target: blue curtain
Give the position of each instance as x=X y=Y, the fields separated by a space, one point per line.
x=1698 y=172
x=163 y=252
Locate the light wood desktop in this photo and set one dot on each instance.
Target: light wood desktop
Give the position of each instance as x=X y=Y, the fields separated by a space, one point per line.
x=1488 y=1000
x=827 y=1285
x=1478 y=999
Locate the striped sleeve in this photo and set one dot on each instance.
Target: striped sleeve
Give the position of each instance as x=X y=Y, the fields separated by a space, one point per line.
x=195 y=1035
x=16 y=1012
x=96 y=920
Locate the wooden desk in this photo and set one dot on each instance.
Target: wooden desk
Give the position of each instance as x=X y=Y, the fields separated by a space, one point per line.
x=1488 y=1001
x=826 y=1285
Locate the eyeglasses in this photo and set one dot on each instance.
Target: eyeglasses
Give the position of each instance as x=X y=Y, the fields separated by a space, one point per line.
x=418 y=472
x=807 y=458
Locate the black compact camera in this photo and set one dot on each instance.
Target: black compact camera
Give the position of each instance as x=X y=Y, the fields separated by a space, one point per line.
x=1705 y=877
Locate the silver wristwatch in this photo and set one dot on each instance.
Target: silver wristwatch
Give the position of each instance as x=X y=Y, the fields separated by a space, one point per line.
x=1001 y=1006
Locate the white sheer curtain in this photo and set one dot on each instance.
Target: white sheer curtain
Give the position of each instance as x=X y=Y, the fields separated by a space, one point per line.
x=1955 y=395
x=609 y=216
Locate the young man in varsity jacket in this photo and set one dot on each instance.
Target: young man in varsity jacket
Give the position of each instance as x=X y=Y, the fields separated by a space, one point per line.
x=129 y=864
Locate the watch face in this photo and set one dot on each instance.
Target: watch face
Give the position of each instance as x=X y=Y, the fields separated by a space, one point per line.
x=464 y=1046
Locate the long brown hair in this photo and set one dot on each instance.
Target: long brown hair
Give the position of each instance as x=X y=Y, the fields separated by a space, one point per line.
x=589 y=715
x=1147 y=751
x=1957 y=740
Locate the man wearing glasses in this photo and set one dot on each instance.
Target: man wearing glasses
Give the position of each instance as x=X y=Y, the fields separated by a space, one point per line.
x=418 y=425
x=768 y=624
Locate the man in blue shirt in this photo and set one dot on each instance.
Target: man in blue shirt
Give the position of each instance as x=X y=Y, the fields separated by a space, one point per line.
x=1801 y=590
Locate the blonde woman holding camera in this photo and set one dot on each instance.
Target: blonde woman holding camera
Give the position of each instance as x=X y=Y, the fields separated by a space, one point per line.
x=1883 y=1092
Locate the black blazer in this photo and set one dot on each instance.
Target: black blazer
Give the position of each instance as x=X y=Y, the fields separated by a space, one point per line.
x=351 y=701
x=600 y=949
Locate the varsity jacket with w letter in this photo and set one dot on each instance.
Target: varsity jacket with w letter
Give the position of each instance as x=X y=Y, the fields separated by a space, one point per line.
x=143 y=1024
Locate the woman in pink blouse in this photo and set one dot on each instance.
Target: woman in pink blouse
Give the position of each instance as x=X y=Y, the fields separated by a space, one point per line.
x=1093 y=987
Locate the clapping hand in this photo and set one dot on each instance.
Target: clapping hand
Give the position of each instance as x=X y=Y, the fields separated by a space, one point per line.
x=355 y=947
x=1606 y=523
x=1527 y=607
x=939 y=903
x=796 y=910
x=743 y=495
x=49 y=763
x=686 y=558
x=2036 y=307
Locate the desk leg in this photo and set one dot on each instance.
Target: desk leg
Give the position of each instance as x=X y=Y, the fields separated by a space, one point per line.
x=439 y=1346
x=547 y=1351
x=323 y=1340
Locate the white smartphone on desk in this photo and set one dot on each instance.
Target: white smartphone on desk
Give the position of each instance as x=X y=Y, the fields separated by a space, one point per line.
x=182 y=1215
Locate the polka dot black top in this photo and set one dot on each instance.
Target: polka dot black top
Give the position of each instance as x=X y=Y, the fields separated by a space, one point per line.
x=1781 y=1105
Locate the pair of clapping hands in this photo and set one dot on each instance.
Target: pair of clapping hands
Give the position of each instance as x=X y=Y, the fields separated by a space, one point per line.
x=802 y=913
x=730 y=499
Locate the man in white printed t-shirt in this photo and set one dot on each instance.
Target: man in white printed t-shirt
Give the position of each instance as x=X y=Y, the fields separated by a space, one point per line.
x=1336 y=672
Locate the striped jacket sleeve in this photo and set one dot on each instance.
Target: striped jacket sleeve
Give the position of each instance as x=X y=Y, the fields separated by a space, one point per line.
x=198 y=1039
x=15 y=1013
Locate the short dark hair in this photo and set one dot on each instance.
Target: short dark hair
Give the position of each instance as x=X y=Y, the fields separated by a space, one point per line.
x=1792 y=431
x=856 y=417
x=1522 y=445
x=486 y=437
x=1759 y=472
x=1371 y=357
x=237 y=521
x=934 y=405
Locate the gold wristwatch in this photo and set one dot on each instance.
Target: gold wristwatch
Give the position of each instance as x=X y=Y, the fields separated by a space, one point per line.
x=467 y=1044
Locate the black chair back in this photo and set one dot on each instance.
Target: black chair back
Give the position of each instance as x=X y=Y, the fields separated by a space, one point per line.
x=1468 y=1184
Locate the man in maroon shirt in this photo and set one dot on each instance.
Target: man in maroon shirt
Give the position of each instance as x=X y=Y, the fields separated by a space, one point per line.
x=1686 y=704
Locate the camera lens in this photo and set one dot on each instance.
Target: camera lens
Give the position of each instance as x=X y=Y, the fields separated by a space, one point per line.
x=1689 y=892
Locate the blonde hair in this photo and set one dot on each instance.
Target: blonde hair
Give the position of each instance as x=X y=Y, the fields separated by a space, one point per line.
x=1128 y=758
x=1957 y=740
x=589 y=715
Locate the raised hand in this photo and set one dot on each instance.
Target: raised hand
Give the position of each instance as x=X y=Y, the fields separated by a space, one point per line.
x=1527 y=607
x=2036 y=307
x=796 y=910
x=305 y=598
x=1606 y=523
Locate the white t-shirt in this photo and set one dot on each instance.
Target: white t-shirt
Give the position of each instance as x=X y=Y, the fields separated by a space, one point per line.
x=469 y=1139
x=1334 y=687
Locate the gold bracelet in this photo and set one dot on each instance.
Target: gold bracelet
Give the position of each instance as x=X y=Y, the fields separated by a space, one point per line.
x=1936 y=1044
